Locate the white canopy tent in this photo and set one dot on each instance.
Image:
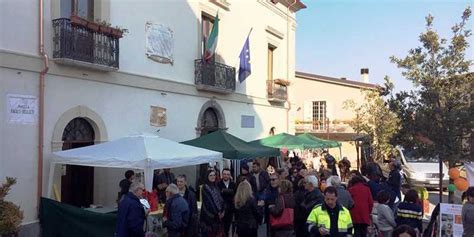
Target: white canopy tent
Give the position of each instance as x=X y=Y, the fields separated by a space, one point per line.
x=145 y=152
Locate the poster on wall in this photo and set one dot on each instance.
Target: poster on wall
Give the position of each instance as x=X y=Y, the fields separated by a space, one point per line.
x=450 y=220
x=159 y=43
x=22 y=109
x=157 y=116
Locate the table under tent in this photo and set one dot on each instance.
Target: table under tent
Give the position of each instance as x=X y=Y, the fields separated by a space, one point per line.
x=139 y=152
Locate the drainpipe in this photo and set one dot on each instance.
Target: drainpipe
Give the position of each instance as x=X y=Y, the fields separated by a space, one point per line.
x=288 y=62
x=41 y=101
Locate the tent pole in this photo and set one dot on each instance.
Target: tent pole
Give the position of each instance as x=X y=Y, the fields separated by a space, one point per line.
x=52 y=167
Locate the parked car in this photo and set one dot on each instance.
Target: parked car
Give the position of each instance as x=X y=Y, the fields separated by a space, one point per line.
x=421 y=171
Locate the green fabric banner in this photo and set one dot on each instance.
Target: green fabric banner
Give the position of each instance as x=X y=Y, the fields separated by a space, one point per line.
x=63 y=220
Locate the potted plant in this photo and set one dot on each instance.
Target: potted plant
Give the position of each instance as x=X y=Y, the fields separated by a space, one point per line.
x=94 y=26
x=118 y=31
x=10 y=214
x=77 y=20
x=104 y=27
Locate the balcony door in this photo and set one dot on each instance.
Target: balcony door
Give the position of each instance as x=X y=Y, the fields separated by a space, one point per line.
x=77 y=185
x=82 y=8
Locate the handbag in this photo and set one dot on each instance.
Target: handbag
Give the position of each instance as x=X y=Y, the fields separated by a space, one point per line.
x=284 y=220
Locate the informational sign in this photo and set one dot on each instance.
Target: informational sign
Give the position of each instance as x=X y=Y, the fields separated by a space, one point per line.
x=247 y=121
x=450 y=220
x=159 y=43
x=157 y=116
x=22 y=109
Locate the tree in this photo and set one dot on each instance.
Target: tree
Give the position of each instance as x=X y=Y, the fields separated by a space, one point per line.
x=437 y=114
x=375 y=119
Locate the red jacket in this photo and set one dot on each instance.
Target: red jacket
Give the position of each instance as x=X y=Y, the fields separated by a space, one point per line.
x=363 y=203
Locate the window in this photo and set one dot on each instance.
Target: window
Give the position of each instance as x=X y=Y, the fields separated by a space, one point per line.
x=206 y=28
x=271 y=49
x=82 y=8
x=319 y=115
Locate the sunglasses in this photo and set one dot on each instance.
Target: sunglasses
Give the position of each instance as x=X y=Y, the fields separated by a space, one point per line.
x=273 y=179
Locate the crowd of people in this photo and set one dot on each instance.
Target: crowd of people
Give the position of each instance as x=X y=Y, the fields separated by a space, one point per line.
x=292 y=201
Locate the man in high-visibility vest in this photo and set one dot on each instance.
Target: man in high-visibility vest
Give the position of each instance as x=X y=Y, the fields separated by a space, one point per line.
x=330 y=218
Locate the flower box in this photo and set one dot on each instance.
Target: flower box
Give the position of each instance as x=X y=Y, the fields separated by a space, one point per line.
x=76 y=20
x=93 y=26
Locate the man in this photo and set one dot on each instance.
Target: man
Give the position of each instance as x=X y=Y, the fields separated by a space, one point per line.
x=131 y=214
x=394 y=178
x=330 y=218
x=125 y=183
x=163 y=180
x=313 y=196
x=261 y=179
x=227 y=188
x=190 y=196
x=344 y=197
x=176 y=214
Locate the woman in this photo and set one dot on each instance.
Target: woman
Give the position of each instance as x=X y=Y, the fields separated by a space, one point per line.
x=409 y=212
x=247 y=213
x=285 y=200
x=212 y=209
x=363 y=204
x=404 y=231
x=468 y=213
x=385 y=219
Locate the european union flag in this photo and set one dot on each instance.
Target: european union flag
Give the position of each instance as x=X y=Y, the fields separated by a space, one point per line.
x=245 y=70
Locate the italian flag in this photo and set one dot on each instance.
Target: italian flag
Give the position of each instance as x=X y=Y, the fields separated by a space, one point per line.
x=211 y=43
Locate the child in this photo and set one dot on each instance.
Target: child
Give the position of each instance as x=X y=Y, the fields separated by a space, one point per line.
x=385 y=218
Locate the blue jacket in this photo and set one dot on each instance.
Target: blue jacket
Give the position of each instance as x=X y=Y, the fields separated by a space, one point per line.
x=177 y=211
x=410 y=214
x=130 y=217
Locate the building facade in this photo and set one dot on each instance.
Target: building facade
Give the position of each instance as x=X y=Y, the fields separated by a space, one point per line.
x=320 y=108
x=100 y=87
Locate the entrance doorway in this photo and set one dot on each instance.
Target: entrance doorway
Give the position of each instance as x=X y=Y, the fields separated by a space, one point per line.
x=77 y=185
x=209 y=124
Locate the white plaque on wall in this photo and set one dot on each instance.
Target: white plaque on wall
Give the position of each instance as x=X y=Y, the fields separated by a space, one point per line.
x=159 y=43
x=22 y=109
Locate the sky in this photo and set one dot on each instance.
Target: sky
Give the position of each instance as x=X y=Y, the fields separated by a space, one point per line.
x=339 y=37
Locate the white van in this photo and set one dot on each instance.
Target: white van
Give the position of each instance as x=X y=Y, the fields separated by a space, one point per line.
x=420 y=171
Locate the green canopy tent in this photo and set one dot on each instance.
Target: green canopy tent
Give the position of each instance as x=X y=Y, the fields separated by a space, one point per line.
x=232 y=147
x=323 y=143
x=289 y=141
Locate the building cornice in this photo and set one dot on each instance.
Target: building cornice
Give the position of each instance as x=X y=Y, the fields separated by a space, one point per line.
x=333 y=80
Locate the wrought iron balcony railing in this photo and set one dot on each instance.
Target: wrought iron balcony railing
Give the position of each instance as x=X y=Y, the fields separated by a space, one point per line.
x=80 y=46
x=276 y=92
x=213 y=76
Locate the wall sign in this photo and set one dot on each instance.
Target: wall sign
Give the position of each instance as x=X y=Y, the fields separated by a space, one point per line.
x=159 y=43
x=22 y=109
x=247 y=121
x=157 y=116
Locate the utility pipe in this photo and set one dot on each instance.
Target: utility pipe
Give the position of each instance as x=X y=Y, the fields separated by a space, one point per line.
x=41 y=102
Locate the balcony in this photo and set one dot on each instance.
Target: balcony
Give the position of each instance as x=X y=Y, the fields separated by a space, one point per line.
x=213 y=76
x=277 y=91
x=79 y=46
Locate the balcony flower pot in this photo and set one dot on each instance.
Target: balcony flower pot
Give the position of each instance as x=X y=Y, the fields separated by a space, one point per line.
x=93 y=26
x=117 y=33
x=105 y=30
x=76 y=20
